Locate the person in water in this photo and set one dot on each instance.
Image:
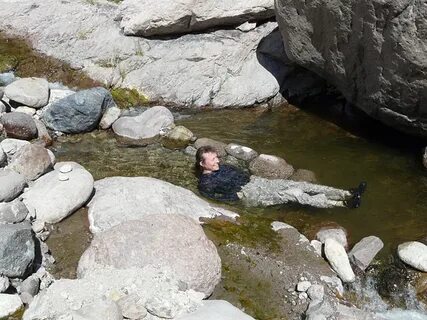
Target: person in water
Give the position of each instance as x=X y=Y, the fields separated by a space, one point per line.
x=226 y=183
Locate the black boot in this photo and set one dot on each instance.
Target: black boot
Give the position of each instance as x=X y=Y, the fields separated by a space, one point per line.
x=354 y=201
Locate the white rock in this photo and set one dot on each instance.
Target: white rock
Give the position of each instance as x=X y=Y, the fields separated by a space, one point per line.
x=54 y=200
x=38 y=226
x=303 y=286
x=241 y=152
x=316 y=292
x=4 y=284
x=52 y=157
x=9 y=304
x=109 y=117
x=65 y=168
x=145 y=126
x=278 y=225
x=11 y=146
x=365 y=251
x=139 y=196
x=303 y=296
x=338 y=259
x=247 y=26
x=317 y=245
x=63 y=177
x=26 y=110
x=216 y=310
x=31 y=92
x=58 y=94
x=414 y=253
x=11 y=184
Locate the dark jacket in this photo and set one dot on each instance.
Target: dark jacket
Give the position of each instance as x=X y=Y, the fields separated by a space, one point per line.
x=223 y=184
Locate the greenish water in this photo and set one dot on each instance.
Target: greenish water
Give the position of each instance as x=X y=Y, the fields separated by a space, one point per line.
x=393 y=208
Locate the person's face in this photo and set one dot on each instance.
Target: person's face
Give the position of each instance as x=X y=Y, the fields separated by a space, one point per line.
x=210 y=162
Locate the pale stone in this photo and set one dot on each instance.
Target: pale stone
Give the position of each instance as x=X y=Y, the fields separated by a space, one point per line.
x=365 y=251
x=109 y=117
x=31 y=92
x=9 y=304
x=303 y=286
x=337 y=257
x=414 y=253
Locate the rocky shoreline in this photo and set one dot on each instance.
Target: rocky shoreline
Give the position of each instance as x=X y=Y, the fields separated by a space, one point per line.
x=129 y=271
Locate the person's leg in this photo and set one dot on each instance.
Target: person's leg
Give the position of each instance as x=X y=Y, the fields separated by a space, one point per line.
x=266 y=192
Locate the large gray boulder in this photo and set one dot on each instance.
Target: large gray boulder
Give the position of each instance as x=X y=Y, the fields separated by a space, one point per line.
x=31 y=161
x=373 y=51
x=152 y=18
x=271 y=167
x=159 y=292
x=193 y=70
x=31 y=92
x=17 y=249
x=192 y=257
x=217 y=310
x=147 y=126
x=11 y=184
x=119 y=199
x=78 y=112
x=57 y=194
x=19 y=125
x=11 y=146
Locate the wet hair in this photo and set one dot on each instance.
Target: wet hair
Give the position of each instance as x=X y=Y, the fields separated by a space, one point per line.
x=199 y=157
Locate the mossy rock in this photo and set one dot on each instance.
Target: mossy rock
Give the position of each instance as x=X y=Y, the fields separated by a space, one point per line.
x=127 y=98
x=178 y=138
x=8 y=63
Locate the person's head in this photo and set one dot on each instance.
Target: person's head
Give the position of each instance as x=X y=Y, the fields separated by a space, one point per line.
x=207 y=160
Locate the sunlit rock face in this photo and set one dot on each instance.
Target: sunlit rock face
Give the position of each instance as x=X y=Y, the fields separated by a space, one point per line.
x=373 y=51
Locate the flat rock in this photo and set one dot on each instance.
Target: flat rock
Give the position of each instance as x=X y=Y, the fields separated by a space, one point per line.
x=53 y=200
x=17 y=249
x=217 y=145
x=241 y=152
x=151 y=18
x=67 y=296
x=216 y=310
x=11 y=184
x=338 y=259
x=78 y=112
x=31 y=92
x=166 y=71
x=31 y=161
x=140 y=196
x=177 y=138
x=270 y=167
x=146 y=126
x=26 y=110
x=13 y=212
x=9 y=304
x=365 y=251
x=19 y=125
x=413 y=253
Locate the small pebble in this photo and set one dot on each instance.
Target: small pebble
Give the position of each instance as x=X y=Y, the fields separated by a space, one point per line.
x=62 y=177
x=303 y=286
x=66 y=168
x=302 y=296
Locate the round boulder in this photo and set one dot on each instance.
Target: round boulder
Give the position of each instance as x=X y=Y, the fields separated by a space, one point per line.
x=19 y=125
x=13 y=212
x=178 y=138
x=146 y=126
x=218 y=145
x=31 y=92
x=78 y=112
x=11 y=146
x=304 y=175
x=56 y=194
x=270 y=167
x=413 y=253
x=190 y=254
x=241 y=152
x=31 y=161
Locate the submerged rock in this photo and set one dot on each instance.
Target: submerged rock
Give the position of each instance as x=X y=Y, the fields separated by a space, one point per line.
x=31 y=92
x=303 y=175
x=241 y=152
x=192 y=257
x=141 y=196
x=217 y=145
x=270 y=167
x=177 y=138
x=151 y=18
x=19 y=125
